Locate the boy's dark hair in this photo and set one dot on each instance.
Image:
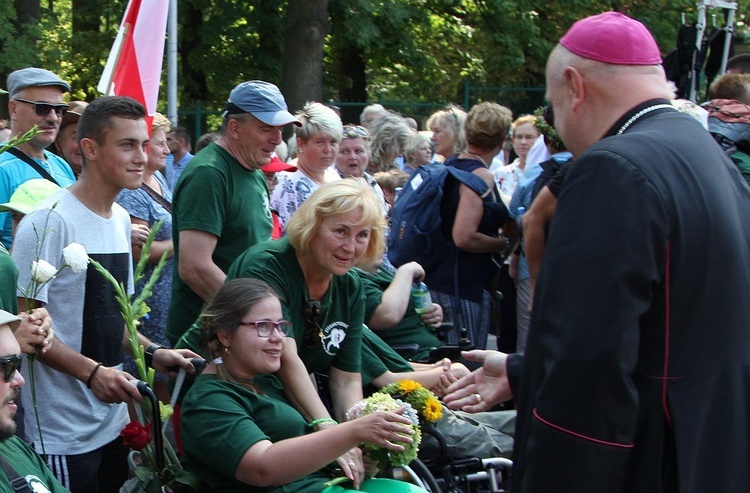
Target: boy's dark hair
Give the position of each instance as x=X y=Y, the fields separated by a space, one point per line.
x=182 y=133
x=97 y=118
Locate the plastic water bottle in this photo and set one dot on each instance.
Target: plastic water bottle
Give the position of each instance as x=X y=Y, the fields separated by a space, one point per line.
x=422 y=298
x=519 y=220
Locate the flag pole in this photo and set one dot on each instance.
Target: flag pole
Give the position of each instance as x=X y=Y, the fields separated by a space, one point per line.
x=111 y=67
x=172 y=63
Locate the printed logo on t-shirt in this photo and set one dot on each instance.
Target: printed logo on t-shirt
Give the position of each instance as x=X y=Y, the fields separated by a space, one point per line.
x=36 y=484
x=266 y=205
x=333 y=335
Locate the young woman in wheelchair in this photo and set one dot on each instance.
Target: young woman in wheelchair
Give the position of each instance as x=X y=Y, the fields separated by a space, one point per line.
x=239 y=431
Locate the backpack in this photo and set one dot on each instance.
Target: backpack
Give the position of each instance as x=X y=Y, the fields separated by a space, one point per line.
x=416 y=224
x=729 y=123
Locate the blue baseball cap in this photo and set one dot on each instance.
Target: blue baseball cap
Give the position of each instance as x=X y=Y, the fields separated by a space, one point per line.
x=261 y=99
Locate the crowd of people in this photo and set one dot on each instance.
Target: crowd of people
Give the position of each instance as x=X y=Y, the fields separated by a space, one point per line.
x=613 y=220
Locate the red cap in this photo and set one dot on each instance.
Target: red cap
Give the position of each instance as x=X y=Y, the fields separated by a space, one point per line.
x=277 y=164
x=613 y=38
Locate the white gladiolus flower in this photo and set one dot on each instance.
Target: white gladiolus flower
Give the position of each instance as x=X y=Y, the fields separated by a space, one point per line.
x=76 y=257
x=42 y=271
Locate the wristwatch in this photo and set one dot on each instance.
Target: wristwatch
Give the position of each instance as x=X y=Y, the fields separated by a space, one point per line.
x=150 y=354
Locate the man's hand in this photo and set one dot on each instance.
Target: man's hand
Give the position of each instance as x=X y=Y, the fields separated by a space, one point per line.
x=35 y=331
x=452 y=372
x=166 y=359
x=113 y=386
x=138 y=234
x=483 y=388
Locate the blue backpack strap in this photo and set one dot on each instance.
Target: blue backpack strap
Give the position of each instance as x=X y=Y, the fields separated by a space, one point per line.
x=477 y=184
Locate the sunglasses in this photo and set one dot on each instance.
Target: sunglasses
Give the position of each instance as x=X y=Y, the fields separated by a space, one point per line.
x=264 y=328
x=42 y=109
x=10 y=364
x=313 y=331
x=356 y=132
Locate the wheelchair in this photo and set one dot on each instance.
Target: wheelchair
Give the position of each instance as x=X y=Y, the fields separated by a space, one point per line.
x=450 y=351
x=447 y=471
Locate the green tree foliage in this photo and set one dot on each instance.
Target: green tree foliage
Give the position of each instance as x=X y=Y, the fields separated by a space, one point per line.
x=415 y=51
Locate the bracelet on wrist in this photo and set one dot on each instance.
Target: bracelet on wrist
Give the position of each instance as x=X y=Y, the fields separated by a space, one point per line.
x=91 y=375
x=322 y=421
x=149 y=354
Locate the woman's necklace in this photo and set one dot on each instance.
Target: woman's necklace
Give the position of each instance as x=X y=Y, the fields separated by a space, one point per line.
x=476 y=156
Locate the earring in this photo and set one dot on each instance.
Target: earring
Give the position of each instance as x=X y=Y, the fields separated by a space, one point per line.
x=226 y=350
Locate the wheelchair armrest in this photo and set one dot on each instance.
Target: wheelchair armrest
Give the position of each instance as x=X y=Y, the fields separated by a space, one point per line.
x=406 y=350
x=450 y=351
x=442 y=330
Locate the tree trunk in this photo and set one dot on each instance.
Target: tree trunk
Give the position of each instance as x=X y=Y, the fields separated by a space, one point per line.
x=306 y=29
x=352 y=81
x=268 y=39
x=28 y=12
x=193 y=78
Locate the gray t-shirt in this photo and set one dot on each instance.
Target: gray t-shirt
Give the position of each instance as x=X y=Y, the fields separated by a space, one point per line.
x=85 y=317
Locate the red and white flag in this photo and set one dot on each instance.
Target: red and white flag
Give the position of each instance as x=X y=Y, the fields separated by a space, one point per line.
x=134 y=64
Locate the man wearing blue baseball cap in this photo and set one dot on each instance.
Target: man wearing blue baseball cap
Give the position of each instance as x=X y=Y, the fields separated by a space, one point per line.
x=220 y=205
x=636 y=374
x=35 y=97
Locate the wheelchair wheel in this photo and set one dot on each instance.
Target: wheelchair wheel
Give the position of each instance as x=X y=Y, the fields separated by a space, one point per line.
x=418 y=473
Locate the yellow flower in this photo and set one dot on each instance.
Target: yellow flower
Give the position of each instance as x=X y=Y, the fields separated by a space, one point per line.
x=165 y=411
x=406 y=386
x=432 y=411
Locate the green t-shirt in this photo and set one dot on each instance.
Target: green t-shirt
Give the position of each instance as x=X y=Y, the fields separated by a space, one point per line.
x=342 y=306
x=217 y=195
x=8 y=282
x=378 y=357
x=27 y=464
x=220 y=421
x=410 y=330
x=742 y=161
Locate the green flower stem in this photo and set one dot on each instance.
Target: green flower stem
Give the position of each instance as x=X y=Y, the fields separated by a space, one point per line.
x=132 y=311
x=32 y=359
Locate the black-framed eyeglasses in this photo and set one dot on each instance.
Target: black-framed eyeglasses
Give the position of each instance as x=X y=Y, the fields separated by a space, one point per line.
x=356 y=132
x=10 y=364
x=42 y=109
x=264 y=328
x=313 y=330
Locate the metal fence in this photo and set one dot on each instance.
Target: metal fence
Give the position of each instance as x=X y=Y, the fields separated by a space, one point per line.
x=204 y=117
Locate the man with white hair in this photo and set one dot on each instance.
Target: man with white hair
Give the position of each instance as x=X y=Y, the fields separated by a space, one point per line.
x=636 y=375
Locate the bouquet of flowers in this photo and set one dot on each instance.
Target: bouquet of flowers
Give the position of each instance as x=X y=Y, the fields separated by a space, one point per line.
x=423 y=400
x=154 y=462
x=384 y=402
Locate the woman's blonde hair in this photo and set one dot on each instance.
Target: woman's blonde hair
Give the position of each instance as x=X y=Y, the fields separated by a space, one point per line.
x=335 y=198
x=412 y=147
x=453 y=120
x=389 y=133
x=161 y=122
x=318 y=118
x=487 y=125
